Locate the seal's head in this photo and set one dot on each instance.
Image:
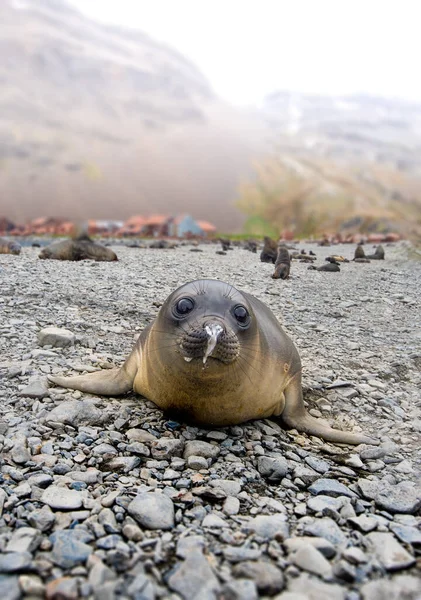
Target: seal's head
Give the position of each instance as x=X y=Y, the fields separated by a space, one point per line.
x=210 y=321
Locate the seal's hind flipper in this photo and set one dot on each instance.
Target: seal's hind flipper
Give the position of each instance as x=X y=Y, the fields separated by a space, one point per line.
x=296 y=417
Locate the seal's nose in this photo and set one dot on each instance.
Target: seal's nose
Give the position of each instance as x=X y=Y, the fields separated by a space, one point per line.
x=213 y=331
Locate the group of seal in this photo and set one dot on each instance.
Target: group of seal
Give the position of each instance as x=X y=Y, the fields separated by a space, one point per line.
x=361 y=256
x=80 y=248
x=214 y=356
x=9 y=247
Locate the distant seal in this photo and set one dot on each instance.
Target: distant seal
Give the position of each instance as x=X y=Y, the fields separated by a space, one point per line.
x=78 y=249
x=359 y=252
x=9 y=247
x=336 y=259
x=378 y=254
x=226 y=244
x=329 y=267
x=270 y=250
x=282 y=264
x=216 y=356
x=251 y=245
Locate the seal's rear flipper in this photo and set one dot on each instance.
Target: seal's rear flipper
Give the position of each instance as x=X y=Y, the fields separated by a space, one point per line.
x=107 y=382
x=296 y=417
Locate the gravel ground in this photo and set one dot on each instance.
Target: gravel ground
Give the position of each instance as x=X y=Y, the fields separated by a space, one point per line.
x=104 y=498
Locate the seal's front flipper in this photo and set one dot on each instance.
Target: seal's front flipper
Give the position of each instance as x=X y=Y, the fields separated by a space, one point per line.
x=296 y=417
x=107 y=382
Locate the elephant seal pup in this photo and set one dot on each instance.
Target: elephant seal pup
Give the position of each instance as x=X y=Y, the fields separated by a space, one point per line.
x=270 y=250
x=378 y=254
x=9 y=247
x=282 y=264
x=215 y=356
x=79 y=249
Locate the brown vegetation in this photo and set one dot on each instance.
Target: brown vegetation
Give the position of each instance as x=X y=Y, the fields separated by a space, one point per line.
x=311 y=197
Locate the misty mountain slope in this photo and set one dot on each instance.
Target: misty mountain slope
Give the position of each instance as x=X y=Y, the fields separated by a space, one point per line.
x=99 y=121
x=352 y=160
x=357 y=128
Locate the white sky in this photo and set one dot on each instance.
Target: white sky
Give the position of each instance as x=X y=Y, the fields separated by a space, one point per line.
x=249 y=48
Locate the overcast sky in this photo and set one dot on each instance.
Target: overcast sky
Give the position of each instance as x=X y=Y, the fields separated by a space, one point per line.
x=249 y=48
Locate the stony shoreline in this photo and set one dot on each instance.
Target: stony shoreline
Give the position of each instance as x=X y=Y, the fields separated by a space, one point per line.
x=104 y=498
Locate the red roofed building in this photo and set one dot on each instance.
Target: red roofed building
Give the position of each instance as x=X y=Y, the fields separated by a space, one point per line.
x=207 y=228
x=157 y=225
x=133 y=226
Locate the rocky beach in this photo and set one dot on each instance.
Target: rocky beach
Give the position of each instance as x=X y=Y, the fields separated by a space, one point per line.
x=106 y=498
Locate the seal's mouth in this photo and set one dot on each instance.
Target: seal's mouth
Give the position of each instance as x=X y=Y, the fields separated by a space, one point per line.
x=210 y=341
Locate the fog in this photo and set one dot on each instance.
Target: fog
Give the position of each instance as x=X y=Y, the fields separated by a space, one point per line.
x=225 y=111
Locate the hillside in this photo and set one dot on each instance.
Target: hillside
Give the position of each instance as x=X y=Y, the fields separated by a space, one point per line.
x=97 y=121
x=351 y=161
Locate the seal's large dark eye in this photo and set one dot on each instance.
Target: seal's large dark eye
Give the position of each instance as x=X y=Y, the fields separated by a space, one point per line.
x=184 y=306
x=241 y=314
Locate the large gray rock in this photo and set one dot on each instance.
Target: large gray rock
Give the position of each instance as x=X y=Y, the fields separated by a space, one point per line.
x=37 y=388
x=24 y=539
x=269 y=526
x=56 y=337
x=403 y=587
x=400 y=498
x=389 y=552
x=61 y=498
x=199 y=448
x=15 y=562
x=152 y=510
x=194 y=579
x=268 y=578
x=9 y=587
x=326 y=528
x=77 y=413
x=272 y=468
x=310 y=559
x=330 y=487
x=68 y=550
x=313 y=589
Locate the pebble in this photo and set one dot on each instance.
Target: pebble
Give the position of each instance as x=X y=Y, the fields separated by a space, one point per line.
x=274 y=469
x=9 y=587
x=308 y=558
x=390 y=553
x=76 y=413
x=293 y=544
x=197 y=462
x=267 y=577
x=269 y=526
x=330 y=487
x=326 y=528
x=37 y=388
x=194 y=579
x=313 y=589
x=56 y=337
x=63 y=588
x=152 y=511
x=403 y=587
x=199 y=448
x=14 y=562
x=400 y=498
x=61 y=498
x=70 y=549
